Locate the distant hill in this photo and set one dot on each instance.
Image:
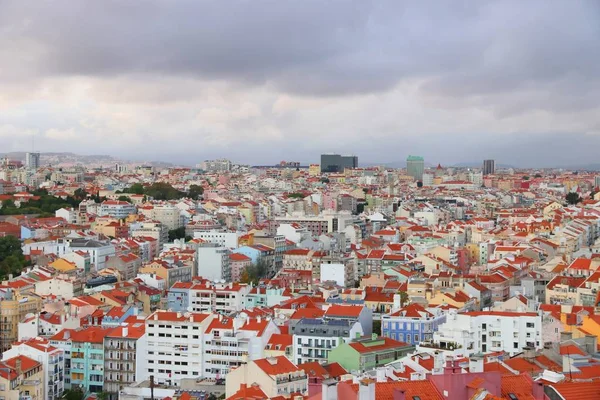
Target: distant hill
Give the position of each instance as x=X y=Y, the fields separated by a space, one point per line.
x=51 y=158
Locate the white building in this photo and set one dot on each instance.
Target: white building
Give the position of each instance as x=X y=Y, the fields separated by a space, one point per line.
x=116 y=209
x=194 y=345
x=52 y=360
x=490 y=331
x=341 y=274
x=313 y=339
x=151 y=229
x=294 y=232
x=213 y=263
x=225 y=239
x=68 y=214
x=167 y=214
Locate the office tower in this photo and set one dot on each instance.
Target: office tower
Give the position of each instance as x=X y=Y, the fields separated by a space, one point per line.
x=337 y=163
x=32 y=160
x=415 y=166
x=489 y=167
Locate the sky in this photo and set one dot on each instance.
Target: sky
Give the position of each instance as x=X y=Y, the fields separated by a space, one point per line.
x=263 y=81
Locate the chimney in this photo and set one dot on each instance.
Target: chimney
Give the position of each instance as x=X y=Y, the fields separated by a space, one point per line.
x=399 y=394
x=67 y=335
x=366 y=389
x=476 y=363
x=564 y=336
x=538 y=390
x=18 y=365
x=258 y=319
x=125 y=330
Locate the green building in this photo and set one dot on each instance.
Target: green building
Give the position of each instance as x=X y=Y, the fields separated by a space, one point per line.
x=415 y=165
x=368 y=352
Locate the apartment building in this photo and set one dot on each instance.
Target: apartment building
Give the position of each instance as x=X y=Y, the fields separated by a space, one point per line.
x=172 y=347
x=116 y=209
x=276 y=376
x=51 y=359
x=21 y=378
x=208 y=297
x=120 y=356
x=412 y=324
x=313 y=339
x=14 y=306
x=488 y=331
x=213 y=262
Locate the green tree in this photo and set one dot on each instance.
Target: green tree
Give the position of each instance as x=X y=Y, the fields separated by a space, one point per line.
x=526 y=178
x=178 y=233
x=195 y=192
x=537 y=176
x=12 y=260
x=573 y=198
x=377 y=326
x=73 y=394
x=403 y=298
x=295 y=196
x=136 y=188
x=125 y=198
x=80 y=194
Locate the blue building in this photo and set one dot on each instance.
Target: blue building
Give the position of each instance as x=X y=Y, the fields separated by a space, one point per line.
x=412 y=324
x=178 y=297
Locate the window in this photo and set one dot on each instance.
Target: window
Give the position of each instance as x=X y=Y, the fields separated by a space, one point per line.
x=529 y=325
x=516 y=345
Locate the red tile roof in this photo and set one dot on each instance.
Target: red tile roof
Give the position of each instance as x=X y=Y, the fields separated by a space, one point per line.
x=276 y=365
x=423 y=389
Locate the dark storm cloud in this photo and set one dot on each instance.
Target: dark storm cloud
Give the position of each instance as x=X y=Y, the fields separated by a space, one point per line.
x=308 y=47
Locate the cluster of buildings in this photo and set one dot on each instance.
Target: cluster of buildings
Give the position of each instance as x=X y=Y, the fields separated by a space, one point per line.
x=325 y=282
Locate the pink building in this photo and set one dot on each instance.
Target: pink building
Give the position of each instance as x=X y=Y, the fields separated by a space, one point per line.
x=239 y=263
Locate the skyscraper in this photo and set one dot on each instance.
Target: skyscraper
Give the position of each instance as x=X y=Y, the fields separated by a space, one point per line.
x=415 y=165
x=32 y=160
x=337 y=163
x=489 y=167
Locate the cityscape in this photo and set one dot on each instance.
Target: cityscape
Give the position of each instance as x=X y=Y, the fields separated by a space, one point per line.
x=299 y=200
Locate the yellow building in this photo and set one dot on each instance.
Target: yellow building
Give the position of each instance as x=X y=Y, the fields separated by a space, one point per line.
x=13 y=308
x=314 y=170
x=21 y=378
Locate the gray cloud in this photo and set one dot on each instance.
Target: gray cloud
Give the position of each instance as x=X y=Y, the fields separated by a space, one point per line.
x=406 y=72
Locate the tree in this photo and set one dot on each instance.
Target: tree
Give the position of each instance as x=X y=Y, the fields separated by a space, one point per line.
x=178 y=233
x=377 y=326
x=125 y=198
x=136 y=188
x=573 y=198
x=403 y=298
x=526 y=178
x=12 y=260
x=80 y=194
x=245 y=277
x=537 y=176
x=195 y=192
x=73 y=394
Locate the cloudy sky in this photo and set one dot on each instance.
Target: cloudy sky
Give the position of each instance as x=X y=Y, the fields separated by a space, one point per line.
x=263 y=81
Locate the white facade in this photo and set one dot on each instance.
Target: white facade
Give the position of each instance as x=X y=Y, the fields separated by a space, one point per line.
x=193 y=345
x=224 y=239
x=339 y=273
x=168 y=215
x=68 y=214
x=293 y=232
x=213 y=263
x=490 y=331
x=116 y=209
x=222 y=298
x=313 y=339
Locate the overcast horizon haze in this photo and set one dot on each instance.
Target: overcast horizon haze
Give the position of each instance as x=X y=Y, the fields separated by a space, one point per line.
x=264 y=81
